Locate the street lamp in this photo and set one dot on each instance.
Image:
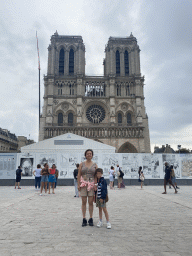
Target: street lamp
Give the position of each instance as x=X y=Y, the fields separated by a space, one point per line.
x=179 y=147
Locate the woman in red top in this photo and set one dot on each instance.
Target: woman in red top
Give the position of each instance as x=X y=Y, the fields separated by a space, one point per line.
x=52 y=178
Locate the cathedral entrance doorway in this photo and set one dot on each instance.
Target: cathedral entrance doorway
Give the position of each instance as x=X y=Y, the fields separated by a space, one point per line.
x=127 y=148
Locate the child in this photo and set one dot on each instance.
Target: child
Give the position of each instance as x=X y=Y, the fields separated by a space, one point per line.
x=100 y=196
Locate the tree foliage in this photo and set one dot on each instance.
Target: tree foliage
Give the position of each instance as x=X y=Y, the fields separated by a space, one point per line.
x=183 y=151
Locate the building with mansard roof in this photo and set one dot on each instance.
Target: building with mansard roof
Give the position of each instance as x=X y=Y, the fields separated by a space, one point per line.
x=109 y=108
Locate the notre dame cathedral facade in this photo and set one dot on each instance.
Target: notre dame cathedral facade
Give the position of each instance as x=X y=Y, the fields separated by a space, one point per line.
x=109 y=108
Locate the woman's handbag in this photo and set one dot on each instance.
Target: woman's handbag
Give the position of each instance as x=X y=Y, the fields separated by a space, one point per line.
x=141 y=177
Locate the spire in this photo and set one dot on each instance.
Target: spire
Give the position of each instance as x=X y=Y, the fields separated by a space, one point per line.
x=56 y=33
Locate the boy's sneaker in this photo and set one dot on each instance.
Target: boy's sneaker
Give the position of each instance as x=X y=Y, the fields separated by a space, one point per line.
x=99 y=224
x=84 y=222
x=90 y=222
x=108 y=225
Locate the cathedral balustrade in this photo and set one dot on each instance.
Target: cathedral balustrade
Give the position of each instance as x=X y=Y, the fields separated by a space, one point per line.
x=97 y=132
x=95 y=87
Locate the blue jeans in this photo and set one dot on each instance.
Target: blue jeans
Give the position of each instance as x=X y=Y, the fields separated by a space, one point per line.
x=37 y=182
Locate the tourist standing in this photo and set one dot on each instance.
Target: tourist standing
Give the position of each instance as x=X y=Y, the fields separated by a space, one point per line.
x=75 y=174
x=18 y=177
x=56 y=175
x=44 y=178
x=111 y=179
x=120 y=177
x=37 y=174
x=52 y=178
x=167 y=178
x=101 y=196
x=117 y=171
x=141 y=176
x=114 y=178
x=86 y=185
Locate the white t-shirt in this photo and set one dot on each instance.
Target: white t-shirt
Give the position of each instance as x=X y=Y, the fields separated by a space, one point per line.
x=111 y=172
x=38 y=172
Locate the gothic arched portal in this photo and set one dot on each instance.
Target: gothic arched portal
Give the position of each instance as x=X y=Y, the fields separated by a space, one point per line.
x=127 y=148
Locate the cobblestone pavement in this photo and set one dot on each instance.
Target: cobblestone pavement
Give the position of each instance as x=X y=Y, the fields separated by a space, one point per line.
x=144 y=222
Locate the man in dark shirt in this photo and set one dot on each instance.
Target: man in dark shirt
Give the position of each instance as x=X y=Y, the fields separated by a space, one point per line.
x=167 y=178
x=18 y=177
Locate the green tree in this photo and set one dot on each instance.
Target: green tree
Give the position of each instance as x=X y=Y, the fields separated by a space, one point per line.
x=183 y=151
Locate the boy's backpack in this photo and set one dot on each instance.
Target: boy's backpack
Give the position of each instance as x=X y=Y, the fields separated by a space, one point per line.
x=121 y=173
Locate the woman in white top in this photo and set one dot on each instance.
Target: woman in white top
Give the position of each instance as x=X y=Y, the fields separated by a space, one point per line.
x=37 y=174
x=111 y=173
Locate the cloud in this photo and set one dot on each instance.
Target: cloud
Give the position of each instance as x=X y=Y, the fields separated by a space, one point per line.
x=164 y=33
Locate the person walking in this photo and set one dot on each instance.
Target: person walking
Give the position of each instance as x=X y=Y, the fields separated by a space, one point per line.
x=52 y=178
x=37 y=174
x=101 y=196
x=86 y=185
x=141 y=176
x=75 y=174
x=111 y=179
x=18 y=177
x=44 y=178
x=167 y=178
x=173 y=178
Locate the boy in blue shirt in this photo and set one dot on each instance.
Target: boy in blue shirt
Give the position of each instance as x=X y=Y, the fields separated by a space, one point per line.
x=101 y=196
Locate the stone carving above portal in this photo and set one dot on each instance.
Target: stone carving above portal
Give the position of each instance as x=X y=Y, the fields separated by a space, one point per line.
x=124 y=107
x=65 y=106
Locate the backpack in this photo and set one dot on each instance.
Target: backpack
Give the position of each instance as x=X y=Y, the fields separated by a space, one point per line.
x=121 y=174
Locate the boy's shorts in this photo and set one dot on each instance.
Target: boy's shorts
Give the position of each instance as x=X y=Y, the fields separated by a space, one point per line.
x=98 y=203
x=18 y=178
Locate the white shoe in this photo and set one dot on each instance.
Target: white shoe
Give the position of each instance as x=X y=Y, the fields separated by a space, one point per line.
x=99 y=224
x=108 y=225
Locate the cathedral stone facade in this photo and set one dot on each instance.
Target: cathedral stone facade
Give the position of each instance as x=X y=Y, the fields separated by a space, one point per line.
x=109 y=108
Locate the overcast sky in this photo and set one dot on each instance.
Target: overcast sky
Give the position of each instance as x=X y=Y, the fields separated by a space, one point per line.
x=163 y=29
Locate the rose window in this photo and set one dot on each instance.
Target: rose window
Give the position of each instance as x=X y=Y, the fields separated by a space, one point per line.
x=95 y=114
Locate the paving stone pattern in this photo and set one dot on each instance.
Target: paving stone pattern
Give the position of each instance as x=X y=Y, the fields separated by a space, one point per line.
x=144 y=222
